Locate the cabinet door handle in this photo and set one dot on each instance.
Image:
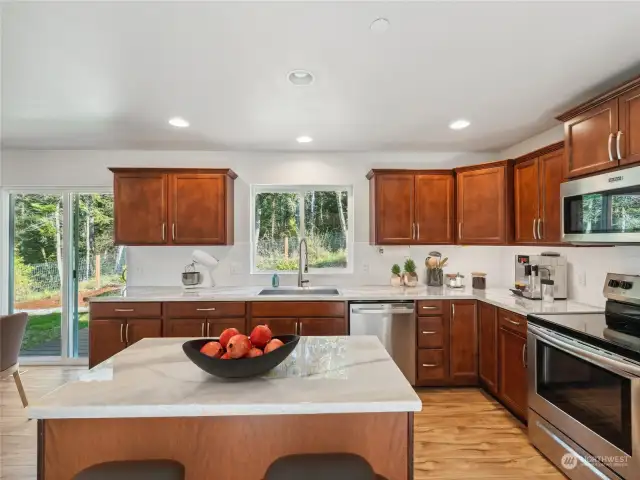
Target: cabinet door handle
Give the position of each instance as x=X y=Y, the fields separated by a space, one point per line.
x=512 y=321
x=122 y=333
x=428 y=332
x=534 y=229
x=429 y=365
x=123 y=310
x=453 y=310
x=610 y=154
x=212 y=309
x=429 y=308
x=459 y=230
x=173 y=231
x=208 y=329
x=298 y=327
x=417 y=231
x=126 y=333
x=539 y=234
x=164 y=231
x=618 y=145
x=524 y=355
x=202 y=329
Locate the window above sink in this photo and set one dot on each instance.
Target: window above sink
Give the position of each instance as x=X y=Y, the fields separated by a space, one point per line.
x=281 y=215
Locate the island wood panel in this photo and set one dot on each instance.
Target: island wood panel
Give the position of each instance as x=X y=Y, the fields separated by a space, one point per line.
x=298 y=309
x=383 y=439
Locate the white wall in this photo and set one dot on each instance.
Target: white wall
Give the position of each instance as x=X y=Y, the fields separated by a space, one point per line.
x=553 y=135
x=162 y=265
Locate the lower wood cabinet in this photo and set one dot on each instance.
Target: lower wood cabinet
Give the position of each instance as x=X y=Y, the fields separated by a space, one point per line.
x=278 y=326
x=202 y=327
x=302 y=318
x=432 y=366
x=488 y=346
x=463 y=339
x=110 y=336
x=512 y=384
x=308 y=326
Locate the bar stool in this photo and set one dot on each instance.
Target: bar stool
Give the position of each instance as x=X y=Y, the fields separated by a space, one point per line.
x=134 y=470
x=321 y=466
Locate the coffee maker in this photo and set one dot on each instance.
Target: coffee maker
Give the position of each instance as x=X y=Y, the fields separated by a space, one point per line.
x=550 y=265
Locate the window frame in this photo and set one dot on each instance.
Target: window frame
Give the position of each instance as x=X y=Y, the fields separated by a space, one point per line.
x=301 y=190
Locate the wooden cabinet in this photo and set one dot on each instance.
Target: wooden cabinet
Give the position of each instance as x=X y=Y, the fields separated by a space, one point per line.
x=513 y=371
x=302 y=318
x=411 y=207
x=432 y=337
x=137 y=329
x=106 y=338
x=173 y=206
x=185 y=327
x=203 y=319
x=216 y=326
x=488 y=346
x=484 y=200
x=322 y=326
x=278 y=326
x=463 y=332
x=604 y=132
x=537 y=205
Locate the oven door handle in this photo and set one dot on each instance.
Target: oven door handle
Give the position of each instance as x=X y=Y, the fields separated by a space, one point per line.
x=622 y=368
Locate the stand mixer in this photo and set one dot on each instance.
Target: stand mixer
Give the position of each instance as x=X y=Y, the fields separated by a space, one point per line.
x=192 y=279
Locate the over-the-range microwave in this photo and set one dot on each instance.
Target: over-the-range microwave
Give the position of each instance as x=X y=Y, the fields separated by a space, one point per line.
x=603 y=208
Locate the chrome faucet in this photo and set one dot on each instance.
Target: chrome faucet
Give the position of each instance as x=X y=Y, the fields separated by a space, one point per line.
x=301 y=281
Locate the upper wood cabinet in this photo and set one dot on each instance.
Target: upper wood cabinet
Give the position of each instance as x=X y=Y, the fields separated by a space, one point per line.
x=411 y=207
x=604 y=132
x=537 y=178
x=173 y=206
x=484 y=200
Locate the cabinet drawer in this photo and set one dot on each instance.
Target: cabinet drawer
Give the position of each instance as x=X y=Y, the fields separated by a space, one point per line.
x=430 y=307
x=431 y=332
x=125 y=309
x=205 y=309
x=431 y=365
x=297 y=309
x=512 y=321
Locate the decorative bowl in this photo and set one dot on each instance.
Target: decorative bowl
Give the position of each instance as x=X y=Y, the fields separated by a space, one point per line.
x=239 y=367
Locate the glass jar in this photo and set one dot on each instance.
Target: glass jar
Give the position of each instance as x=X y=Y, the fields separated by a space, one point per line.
x=547 y=290
x=451 y=280
x=478 y=280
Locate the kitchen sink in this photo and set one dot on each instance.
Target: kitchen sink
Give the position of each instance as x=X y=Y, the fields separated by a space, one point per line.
x=299 y=291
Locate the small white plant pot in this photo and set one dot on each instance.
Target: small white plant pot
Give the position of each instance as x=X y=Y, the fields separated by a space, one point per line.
x=396 y=280
x=410 y=279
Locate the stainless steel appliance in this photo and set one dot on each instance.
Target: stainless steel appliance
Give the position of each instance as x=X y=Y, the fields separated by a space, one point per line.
x=551 y=266
x=584 y=385
x=394 y=323
x=604 y=208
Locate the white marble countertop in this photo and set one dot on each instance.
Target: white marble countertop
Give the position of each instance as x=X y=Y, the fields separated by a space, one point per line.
x=501 y=297
x=154 y=378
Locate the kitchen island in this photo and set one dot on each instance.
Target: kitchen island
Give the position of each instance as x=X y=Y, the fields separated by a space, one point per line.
x=332 y=394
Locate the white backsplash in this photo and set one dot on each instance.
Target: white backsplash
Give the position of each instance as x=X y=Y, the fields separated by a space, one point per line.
x=161 y=266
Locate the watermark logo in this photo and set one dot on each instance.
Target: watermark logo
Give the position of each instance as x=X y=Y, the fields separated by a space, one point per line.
x=569 y=461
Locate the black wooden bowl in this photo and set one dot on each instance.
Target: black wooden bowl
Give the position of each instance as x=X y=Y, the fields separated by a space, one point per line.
x=239 y=367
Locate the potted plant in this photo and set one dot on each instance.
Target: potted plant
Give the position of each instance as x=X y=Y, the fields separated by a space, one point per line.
x=410 y=276
x=396 y=278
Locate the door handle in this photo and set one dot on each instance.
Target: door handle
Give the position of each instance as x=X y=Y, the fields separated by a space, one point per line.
x=429 y=308
x=417 y=231
x=126 y=333
x=524 y=355
x=618 y=136
x=610 y=154
x=208 y=329
x=173 y=231
x=122 y=333
x=459 y=230
x=164 y=231
x=539 y=235
x=298 y=327
x=453 y=310
x=202 y=329
x=534 y=229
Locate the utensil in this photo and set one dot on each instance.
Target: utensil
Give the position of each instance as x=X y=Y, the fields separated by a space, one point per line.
x=190 y=276
x=240 y=367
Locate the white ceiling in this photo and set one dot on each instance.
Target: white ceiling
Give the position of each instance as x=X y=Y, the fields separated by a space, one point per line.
x=109 y=75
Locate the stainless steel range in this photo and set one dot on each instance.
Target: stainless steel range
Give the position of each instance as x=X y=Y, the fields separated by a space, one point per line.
x=584 y=385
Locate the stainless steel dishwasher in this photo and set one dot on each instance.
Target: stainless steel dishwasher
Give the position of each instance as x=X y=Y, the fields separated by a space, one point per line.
x=394 y=323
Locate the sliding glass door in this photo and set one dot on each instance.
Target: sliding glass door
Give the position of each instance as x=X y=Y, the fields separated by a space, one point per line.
x=61 y=253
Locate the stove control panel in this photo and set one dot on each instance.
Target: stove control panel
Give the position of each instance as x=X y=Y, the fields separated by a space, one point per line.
x=623 y=288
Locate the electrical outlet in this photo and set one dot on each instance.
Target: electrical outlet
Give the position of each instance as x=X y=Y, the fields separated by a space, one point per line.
x=236 y=268
x=365 y=267
x=582 y=279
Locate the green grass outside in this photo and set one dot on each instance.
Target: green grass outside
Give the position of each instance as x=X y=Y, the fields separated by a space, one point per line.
x=42 y=328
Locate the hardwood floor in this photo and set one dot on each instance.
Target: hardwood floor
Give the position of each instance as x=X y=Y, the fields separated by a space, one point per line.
x=460 y=433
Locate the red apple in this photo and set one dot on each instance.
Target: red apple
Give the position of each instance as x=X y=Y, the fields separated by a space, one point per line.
x=260 y=336
x=254 y=352
x=238 y=346
x=212 y=349
x=226 y=334
x=272 y=345
x=225 y=356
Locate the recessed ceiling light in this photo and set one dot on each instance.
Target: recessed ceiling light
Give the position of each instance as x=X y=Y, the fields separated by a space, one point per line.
x=459 y=124
x=178 y=122
x=300 y=78
x=380 y=25
x=304 y=139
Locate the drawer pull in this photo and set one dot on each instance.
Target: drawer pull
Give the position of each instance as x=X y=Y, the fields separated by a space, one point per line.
x=124 y=310
x=429 y=308
x=429 y=365
x=206 y=309
x=202 y=330
x=428 y=332
x=517 y=324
